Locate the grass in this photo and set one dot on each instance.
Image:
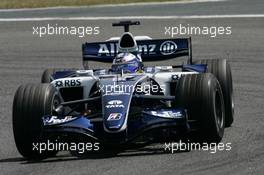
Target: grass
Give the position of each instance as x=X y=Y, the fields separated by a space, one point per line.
x=10 y=4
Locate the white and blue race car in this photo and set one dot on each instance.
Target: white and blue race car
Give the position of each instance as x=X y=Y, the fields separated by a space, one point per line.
x=129 y=101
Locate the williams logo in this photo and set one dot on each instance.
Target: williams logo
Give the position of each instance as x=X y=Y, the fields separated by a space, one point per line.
x=168 y=48
x=115 y=104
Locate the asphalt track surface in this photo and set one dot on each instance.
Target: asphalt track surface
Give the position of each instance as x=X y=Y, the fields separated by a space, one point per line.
x=23 y=57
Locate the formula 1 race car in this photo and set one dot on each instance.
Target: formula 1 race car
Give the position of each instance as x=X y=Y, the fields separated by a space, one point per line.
x=129 y=102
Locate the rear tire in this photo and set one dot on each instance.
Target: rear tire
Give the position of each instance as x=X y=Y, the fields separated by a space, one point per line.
x=47 y=74
x=201 y=95
x=31 y=102
x=222 y=71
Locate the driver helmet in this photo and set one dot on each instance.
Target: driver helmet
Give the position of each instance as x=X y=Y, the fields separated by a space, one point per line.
x=128 y=63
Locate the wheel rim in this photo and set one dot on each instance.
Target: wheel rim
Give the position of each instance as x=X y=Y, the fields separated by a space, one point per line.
x=55 y=102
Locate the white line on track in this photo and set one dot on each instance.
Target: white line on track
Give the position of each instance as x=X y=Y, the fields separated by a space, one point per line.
x=111 y=5
x=129 y=17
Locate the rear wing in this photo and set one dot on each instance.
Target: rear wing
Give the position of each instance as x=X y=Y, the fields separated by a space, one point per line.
x=150 y=50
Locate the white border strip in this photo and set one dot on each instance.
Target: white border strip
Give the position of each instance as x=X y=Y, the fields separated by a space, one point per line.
x=129 y=17
x=110 y=5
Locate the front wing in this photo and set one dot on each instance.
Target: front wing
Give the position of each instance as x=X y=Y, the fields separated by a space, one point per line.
x=149 y=122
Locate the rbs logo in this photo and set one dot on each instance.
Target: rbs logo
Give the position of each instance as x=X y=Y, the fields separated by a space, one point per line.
x=68 y=83
x=168 y=48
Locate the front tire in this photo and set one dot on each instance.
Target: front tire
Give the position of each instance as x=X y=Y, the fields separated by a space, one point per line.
x=222 y=71
x=31 y=102
x=201 y=95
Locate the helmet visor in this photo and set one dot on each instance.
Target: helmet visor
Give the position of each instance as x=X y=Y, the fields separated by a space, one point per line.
x=126 y=67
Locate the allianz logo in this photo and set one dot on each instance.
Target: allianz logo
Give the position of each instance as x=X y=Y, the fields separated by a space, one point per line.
x=115 y=104
x=168 y=48
x=112 y=48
